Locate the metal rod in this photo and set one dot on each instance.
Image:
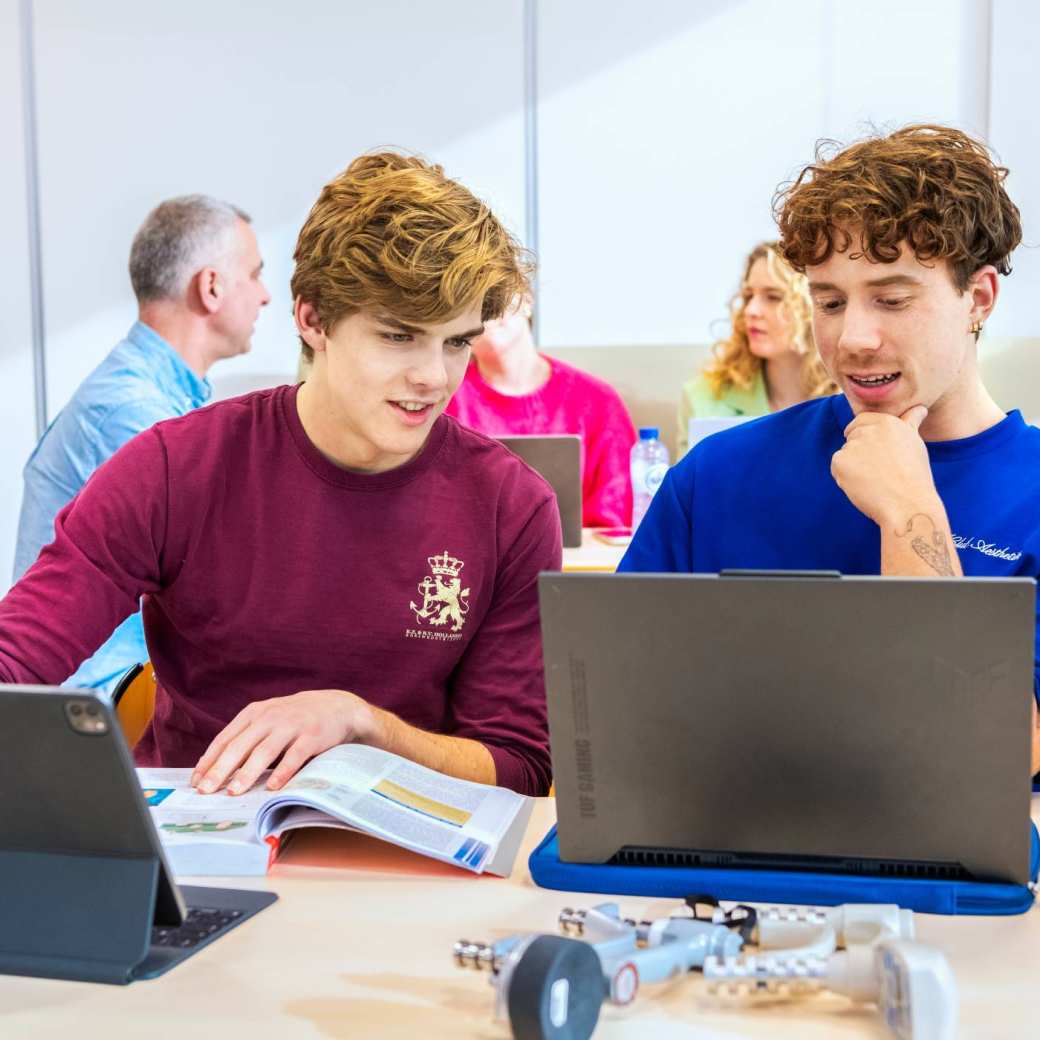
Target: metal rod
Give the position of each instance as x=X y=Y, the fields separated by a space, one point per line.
x=985 y=78
x=32 y=194
x=531 y=142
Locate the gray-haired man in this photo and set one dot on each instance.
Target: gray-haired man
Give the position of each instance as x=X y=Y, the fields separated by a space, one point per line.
x=195 y=270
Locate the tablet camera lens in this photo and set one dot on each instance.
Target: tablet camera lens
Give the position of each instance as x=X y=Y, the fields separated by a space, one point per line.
x=86 y=717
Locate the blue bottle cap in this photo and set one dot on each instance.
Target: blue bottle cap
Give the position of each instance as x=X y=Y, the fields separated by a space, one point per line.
x=649 y=433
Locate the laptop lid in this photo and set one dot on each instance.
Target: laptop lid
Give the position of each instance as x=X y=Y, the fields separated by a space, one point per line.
x=557 y=457
x=698 y=429
x=864 y=724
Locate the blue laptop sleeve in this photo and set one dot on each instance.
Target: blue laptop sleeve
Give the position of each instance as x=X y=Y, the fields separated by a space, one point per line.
x=929 y=896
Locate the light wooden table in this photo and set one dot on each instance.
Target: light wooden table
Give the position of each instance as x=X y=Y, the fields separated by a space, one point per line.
x=363 y=951
x=593 y=555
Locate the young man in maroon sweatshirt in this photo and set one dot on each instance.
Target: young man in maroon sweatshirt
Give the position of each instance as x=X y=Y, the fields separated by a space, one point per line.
x=332 y=562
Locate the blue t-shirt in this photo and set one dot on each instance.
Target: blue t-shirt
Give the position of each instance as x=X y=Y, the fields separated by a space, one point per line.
x=141 y=382
x=761 y=496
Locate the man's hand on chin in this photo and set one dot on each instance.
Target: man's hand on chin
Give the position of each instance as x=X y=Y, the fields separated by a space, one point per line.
x=883 y=467
x=296 y=728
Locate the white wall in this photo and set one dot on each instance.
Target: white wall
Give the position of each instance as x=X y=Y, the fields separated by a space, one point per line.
x=664 y=128
x=17 y=422
x=260 y=103
x=1014 y=135
x=667 y=126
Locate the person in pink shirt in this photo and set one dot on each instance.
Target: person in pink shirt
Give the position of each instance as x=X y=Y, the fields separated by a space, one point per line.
x=511 y=388
x=336 y=561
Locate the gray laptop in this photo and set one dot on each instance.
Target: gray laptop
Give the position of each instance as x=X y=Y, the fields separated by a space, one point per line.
x=557 y=457
x=697 y=429
x=850 y=724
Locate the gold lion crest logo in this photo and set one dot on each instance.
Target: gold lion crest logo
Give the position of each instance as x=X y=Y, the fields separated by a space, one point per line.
x=444 y=600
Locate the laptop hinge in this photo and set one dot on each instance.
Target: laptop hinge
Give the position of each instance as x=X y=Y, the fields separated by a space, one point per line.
x=741 y=572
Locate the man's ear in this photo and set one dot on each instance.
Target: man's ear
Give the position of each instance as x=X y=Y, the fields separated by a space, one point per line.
x=208 y=289
x=983 y=288
x=308 y=324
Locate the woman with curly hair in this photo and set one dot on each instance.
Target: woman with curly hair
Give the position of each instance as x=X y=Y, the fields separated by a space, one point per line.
x=769 y=360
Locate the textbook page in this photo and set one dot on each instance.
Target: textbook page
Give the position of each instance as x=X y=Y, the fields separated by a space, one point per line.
x=204 y=833
x=471 y=825
x=351 y=787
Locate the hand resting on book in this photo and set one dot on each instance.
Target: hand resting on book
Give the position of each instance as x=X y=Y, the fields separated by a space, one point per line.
x=296 y=727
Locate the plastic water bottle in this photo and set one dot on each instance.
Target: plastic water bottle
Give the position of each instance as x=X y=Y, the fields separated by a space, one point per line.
x=649 y=465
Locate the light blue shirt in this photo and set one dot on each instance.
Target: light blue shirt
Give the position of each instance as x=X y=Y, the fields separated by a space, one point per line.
x=141 y=382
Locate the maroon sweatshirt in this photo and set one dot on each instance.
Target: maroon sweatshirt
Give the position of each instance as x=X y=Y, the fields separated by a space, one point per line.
x=266 y=570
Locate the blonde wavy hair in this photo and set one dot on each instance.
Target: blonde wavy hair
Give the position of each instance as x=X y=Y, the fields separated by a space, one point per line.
x=392 y=233
x=733 y=363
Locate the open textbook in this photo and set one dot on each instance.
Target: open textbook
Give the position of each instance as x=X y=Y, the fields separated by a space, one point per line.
x=353 y=787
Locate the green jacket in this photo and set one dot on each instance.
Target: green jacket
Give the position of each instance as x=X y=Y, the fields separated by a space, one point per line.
x=698 y=401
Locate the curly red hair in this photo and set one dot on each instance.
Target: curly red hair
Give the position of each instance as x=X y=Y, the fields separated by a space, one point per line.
x=933 y=187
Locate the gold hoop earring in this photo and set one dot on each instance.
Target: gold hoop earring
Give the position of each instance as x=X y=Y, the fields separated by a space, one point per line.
x=976 y=328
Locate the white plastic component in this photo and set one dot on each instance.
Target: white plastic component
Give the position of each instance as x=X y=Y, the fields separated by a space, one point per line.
x=912 y=984
x=853 y=973
x=918 y=997
x=853 y=923
x=625 y=984
x=857 y=923
x=756 y=975
x=602 y=923
x=657 y=930
x=559 y=994
x=779 y=926
x=818 y=941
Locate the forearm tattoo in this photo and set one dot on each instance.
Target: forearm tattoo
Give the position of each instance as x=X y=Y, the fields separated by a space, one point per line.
x=934 y=549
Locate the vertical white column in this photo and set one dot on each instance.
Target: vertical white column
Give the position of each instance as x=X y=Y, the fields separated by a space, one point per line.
x=32 y=204
x=531 y=139
x=17 y=399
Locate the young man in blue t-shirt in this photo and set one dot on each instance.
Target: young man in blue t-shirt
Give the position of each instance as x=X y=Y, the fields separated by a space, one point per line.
x=913 y=469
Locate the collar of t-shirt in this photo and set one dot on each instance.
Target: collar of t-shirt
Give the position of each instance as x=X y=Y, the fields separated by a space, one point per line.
x=352 y=479
x=990 y=439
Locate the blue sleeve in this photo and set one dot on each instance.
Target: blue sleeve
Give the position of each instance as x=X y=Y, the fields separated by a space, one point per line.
x=42 y=500
x=126 y=422
x=663 y=542
x=64 y=461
